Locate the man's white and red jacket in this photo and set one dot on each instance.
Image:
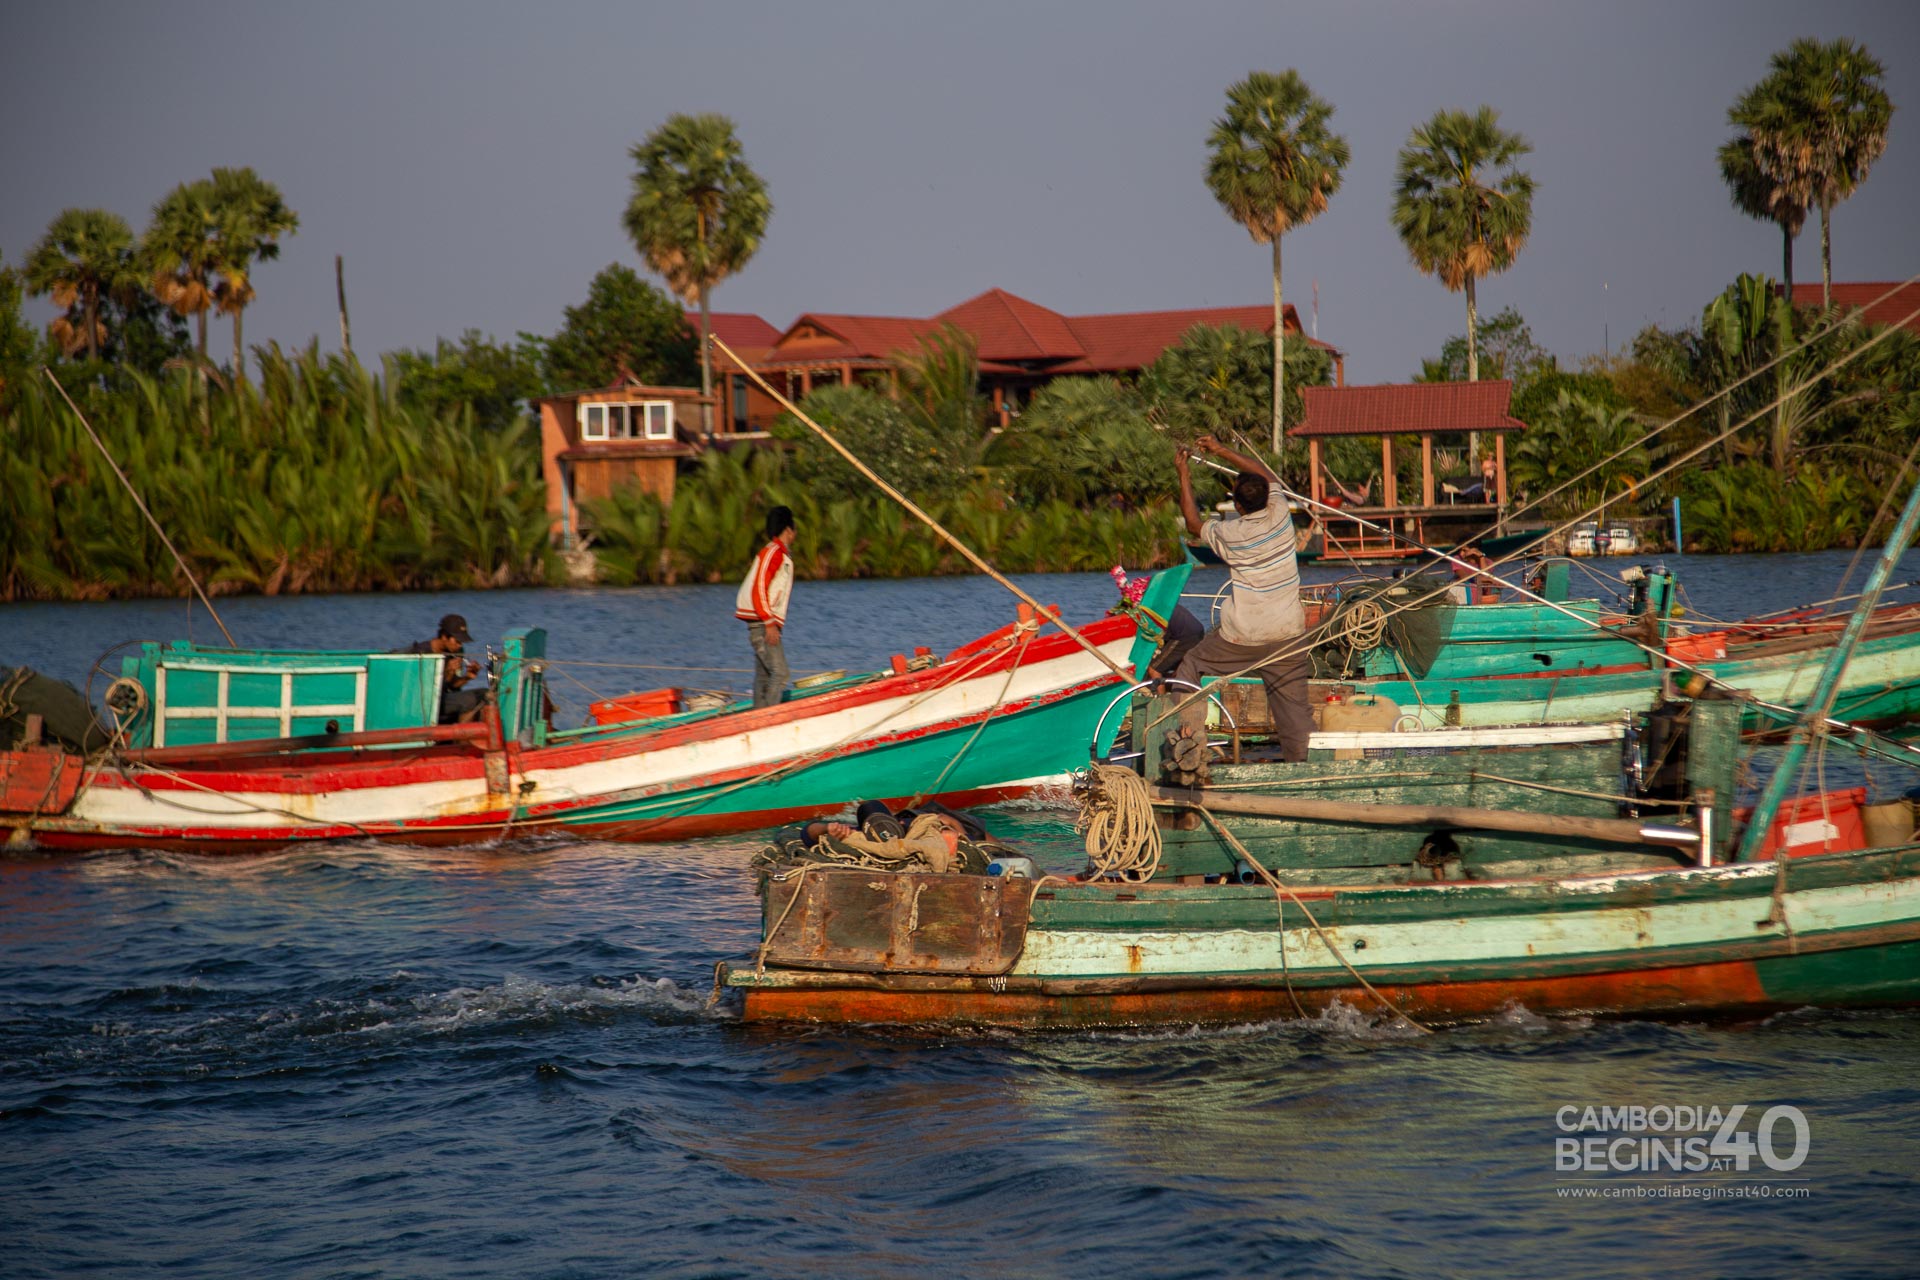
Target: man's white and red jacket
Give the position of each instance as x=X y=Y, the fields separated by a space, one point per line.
x=769 y=583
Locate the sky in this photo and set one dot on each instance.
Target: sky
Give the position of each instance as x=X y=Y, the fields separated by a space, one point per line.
x=470 y=161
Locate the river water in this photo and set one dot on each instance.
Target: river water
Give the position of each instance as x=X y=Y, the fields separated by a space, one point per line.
x=367 y=1061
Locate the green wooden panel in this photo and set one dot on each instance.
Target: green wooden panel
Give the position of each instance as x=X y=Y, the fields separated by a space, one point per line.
x=245 y=728
x=403 y=690
x=252 y=689
x=520 y=685
x=1458 y=778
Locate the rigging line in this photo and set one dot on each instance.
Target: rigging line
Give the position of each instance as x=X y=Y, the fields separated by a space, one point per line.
x=1727 y=390
x=1280 y=887
x=1012 y=671
x=141 y=503
x=654 y=666
x=687 y=803
x=1286 y=651
x=972 y=557
x=1886 y=505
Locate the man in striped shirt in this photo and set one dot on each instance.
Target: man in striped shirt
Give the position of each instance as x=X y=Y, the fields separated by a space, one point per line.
x=762 y=605
x=1262 y=623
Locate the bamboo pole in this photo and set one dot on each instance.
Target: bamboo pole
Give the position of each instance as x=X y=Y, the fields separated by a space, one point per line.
x=1040 y=610
x=1820 y=701
x=1458 y=817
x=141 y=503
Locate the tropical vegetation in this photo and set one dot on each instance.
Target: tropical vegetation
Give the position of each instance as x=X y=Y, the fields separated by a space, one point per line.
x=1777 y=426
x=320 y=478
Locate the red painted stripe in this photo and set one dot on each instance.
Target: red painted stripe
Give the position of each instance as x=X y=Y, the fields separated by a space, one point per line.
x=907 y=685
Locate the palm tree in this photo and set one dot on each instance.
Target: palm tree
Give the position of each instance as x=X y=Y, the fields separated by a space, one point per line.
x=1462 y=209
x=696 y=216
x=181 y=254
x=1274 y=165
x=249 y=216
x=1844 y=116
x=1773 y=197
x=85 y=255
x=1813 y=128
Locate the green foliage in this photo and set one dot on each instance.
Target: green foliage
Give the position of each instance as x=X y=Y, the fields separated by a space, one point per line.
x=900 y=445
x=492 y=379
x=1578 y=434
x=1506 y=348
x=1219 y=380
x=625 y=323
x=1752 y=507
x=711 y=531
x=20 y=346
x=320 y=479
x=1086 y=441
x=1538 y=398
x=940 y=393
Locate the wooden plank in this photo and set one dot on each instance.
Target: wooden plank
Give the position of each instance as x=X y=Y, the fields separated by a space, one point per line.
x=1614 y=830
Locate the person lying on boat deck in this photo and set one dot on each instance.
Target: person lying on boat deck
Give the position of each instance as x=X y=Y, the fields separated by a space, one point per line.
x=1262 y=621
x=456 y=701
x=762 y=605
x=928 y=838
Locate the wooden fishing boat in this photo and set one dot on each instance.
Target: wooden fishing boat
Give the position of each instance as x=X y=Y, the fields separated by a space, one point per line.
x=224 y=750
x=1570 y=880
x=1486 y=879
x=1517 y=662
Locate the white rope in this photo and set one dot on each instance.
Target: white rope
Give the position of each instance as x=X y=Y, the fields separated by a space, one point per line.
x=1116 y=812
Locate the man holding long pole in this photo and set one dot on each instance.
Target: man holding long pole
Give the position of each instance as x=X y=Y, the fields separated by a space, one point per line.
x=1263 y=615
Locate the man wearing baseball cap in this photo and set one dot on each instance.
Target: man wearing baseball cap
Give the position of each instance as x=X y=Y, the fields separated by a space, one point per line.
x=455 y=701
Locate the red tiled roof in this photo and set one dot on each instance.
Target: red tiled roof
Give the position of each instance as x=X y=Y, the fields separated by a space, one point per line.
x=738 y=329
x=1015 y=335
x=1902 y=300
x=1011 y=329
x=1410 y=408
x=1135 y=339
x=854 y=338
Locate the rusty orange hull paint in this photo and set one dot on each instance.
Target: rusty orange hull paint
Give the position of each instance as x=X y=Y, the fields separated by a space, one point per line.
x=1731 y=986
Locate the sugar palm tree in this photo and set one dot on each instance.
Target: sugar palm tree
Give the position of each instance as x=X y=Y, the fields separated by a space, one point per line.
x=1813 y=128
x=1462 y=209
x=696 y=216
x=181 y=253
x=1844 y=115
x=1273 y=166
x=250 y=216
x=1774 y=196
x=86 y=254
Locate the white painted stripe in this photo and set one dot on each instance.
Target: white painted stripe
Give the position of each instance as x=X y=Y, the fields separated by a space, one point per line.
x=1553 y=933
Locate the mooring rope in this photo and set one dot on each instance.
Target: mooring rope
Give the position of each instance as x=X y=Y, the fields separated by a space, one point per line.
x=1116 y=812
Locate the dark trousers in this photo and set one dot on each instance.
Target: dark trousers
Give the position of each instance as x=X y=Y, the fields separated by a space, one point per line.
x=1285 y=681
x=769 y=665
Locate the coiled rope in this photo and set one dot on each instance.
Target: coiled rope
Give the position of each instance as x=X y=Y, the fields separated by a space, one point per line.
x=1116 y=812
x=1363 y=624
